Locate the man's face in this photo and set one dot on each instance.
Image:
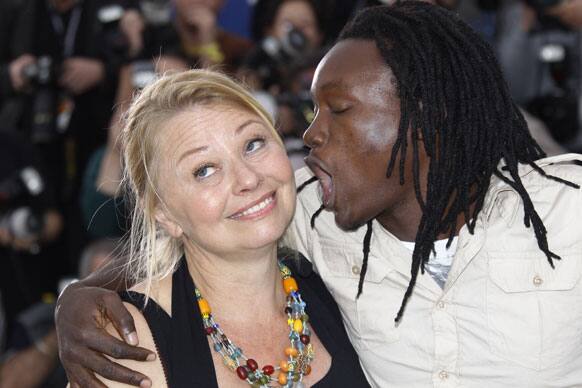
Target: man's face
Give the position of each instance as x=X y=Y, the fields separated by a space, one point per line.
x=351 y=137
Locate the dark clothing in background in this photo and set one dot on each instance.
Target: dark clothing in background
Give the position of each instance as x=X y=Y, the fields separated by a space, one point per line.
x=24 y=277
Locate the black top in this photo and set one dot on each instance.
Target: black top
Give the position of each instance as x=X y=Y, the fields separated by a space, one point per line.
x=183 y=348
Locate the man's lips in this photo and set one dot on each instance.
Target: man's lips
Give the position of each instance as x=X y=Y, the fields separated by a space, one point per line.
x=256 y=209
x=325 y=180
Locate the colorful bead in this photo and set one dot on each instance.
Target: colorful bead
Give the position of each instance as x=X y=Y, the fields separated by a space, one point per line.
x=268 y=370
x=304 y=339
x=284 y=366
x=282 y=379
x=242 y=372
x=209 y=330
x=298 y=326
x=291 y=352
x=307 y=370
x=252 y=364
x=290 y=285
x=204 y=306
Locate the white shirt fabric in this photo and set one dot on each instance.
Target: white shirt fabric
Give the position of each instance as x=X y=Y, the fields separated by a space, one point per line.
x=505 y=318
x=440 y=261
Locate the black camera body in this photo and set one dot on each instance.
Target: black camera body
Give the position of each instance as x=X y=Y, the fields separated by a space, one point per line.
x=559 y=54
x=272 y=58
x=42 y=76
x=20 y=219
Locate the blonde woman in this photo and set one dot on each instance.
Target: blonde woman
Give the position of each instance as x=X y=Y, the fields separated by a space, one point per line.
x=213 y=193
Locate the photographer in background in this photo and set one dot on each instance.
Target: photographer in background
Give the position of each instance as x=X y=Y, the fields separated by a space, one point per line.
x=539 y=47
x=29 y=227
x=31 y=359
x=289 y=37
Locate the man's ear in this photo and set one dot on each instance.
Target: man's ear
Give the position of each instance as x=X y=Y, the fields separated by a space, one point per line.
x=169 y=225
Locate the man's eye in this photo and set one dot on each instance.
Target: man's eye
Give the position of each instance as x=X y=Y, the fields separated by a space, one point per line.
x=339 y=110
x=255 y=145
x=204 y=171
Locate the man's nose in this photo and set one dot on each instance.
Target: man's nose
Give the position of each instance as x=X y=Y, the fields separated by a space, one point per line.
x=314 y=136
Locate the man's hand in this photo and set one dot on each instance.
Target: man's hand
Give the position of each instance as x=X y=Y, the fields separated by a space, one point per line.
x=16 y=68
x=81 y=74
x=81 y=317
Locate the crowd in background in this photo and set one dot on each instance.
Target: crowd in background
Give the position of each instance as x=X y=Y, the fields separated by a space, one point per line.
x=69 y=68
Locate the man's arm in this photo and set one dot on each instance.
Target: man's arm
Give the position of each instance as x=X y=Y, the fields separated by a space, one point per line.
x=83 y=311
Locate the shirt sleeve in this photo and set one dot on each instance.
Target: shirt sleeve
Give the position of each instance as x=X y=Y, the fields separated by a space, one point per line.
x=299 y=236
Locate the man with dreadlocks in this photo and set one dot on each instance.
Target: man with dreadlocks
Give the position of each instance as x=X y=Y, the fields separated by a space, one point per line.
x=426 y=167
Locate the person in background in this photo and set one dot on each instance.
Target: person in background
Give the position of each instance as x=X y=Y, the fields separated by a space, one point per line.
x=290 y=37
x=31 y=359
x=539 y=49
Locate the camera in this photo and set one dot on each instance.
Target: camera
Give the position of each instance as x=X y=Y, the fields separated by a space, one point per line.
x=22 y=221
x=272 y=58
x=557 y=103
x=42 y=75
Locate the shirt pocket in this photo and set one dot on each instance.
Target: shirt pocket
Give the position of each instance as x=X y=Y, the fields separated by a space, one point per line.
x=369 y=319
x=534 y=311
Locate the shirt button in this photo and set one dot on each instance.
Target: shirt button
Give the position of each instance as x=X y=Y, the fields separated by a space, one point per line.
x=356 y=270
x=443 y=375
x=441 y=305
x=537 y=281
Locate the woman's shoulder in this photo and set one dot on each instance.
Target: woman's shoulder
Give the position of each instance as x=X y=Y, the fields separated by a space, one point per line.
x=152 y=369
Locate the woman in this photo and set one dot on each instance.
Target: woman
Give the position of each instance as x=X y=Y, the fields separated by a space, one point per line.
x=213 y=192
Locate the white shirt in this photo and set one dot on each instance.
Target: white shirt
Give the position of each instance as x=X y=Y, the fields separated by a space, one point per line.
x=440 y=260
x=505 y=318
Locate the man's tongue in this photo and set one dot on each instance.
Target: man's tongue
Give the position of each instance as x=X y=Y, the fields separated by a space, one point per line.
x=326 y=189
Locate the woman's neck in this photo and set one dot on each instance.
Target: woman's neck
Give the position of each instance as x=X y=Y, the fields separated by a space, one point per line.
x=251 y=280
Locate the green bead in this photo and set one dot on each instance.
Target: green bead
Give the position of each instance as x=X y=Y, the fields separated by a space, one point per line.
x=305 y=317
x=264 y=380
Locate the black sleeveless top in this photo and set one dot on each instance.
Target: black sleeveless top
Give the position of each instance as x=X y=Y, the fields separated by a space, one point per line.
x=183 y=347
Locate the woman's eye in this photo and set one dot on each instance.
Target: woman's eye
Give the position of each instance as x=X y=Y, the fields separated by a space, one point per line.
x=204 y=171
x=255 y=145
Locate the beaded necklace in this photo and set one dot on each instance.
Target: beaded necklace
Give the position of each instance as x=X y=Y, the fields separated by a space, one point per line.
x=298 y=355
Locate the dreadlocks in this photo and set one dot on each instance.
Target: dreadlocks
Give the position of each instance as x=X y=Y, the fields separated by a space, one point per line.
x=454 y=98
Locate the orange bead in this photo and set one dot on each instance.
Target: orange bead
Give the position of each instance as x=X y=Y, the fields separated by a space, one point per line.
x=289 y=285
x=284 y=366
x=307 y=370
x=292 y=352
x=282 y=379
x=204 y=306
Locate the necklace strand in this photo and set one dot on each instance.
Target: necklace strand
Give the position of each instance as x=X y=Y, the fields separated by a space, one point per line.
x=299 y=354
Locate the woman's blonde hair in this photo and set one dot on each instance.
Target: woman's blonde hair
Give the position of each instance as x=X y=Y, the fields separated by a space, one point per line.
x=152 y=253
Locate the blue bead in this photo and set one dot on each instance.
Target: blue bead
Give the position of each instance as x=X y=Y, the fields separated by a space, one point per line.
x=218 y=347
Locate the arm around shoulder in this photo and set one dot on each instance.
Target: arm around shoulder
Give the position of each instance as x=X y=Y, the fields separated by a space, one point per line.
x=152 y=369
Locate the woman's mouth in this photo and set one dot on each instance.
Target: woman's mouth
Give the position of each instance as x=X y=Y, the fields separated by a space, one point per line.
x=257 y=209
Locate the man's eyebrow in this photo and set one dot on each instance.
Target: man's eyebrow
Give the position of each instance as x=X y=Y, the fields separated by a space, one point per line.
x=335 y=85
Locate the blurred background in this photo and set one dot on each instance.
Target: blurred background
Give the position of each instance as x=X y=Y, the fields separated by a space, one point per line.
x=68 y=70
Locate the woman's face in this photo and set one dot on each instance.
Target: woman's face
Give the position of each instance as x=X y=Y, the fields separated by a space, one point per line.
x=225 y=181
